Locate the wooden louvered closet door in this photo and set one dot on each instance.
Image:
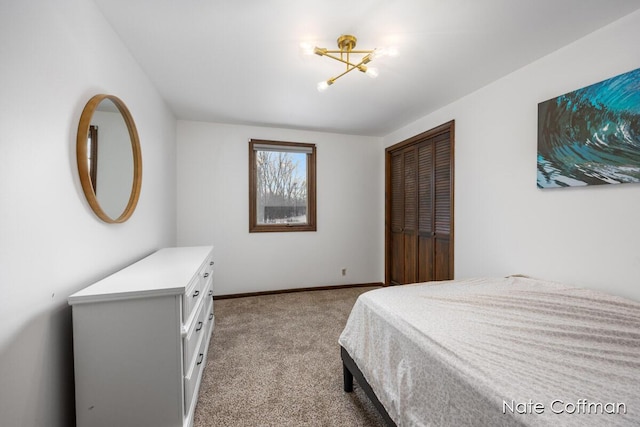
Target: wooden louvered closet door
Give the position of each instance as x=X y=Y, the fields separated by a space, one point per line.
x=419 y=235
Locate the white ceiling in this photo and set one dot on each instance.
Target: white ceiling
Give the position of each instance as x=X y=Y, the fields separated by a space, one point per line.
x=240 y=62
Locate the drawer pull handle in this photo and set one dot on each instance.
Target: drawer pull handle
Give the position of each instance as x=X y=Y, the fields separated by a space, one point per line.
x=199 y=326
x=211 y=316
x=206 y=275
x=196 y=293
x=211 y=263
x=200 y=358
x=210 y=292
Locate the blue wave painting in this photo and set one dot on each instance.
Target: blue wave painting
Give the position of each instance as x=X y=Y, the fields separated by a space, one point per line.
x=592 y=135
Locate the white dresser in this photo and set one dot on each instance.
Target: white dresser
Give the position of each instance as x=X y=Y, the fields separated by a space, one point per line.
x=140 y=340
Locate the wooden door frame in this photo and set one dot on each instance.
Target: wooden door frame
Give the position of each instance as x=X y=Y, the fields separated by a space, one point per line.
x=438 y=130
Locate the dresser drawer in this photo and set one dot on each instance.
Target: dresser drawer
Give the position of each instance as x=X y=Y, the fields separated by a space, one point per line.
x=209 y=316
x=196 y=289
x=194 y=373
x=209 y=265
x=191 y=298
x=194 y=367
x=192 y=339
x=191 y=381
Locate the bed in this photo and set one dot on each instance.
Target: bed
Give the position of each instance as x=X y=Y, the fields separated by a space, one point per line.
x=511 y=351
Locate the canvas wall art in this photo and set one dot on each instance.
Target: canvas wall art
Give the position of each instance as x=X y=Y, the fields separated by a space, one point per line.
x=592 y=135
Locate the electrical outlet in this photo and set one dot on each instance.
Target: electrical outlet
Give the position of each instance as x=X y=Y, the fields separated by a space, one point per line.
x=344 y=271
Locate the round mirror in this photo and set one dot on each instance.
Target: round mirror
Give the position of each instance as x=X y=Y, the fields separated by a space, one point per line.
x=109 y=158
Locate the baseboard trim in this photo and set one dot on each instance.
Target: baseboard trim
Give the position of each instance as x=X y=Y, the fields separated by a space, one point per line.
x=288 y=291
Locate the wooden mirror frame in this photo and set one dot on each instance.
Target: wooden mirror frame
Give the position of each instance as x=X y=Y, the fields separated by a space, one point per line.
x=81 y=156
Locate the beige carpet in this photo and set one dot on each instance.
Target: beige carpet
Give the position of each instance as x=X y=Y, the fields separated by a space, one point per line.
x=274 y=360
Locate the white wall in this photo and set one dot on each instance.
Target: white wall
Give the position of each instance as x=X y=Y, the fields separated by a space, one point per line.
x=213 y=208
x=54 y=57
x=504 y=224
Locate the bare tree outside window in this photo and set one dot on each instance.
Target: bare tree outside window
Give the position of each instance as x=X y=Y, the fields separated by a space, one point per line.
x=282 y=186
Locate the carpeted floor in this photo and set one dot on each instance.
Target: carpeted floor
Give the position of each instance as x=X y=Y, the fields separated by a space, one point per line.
x=274 y=360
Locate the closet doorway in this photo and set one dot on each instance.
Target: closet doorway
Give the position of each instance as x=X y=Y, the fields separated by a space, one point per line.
x=419 y=207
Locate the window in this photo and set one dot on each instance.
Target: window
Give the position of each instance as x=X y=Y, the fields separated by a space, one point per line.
x=282 y=186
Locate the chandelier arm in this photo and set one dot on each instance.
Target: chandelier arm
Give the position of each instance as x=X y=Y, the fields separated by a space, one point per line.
x=353 y=67
x=352 y=51
x=343 y=73
x=340 y=60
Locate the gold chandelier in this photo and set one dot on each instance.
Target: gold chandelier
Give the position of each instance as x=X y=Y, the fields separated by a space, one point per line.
x=346 y=45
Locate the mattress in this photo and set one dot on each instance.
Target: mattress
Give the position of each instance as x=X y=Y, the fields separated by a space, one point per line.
x=499 y=352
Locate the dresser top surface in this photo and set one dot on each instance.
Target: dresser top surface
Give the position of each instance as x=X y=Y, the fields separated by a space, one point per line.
x=168 y=271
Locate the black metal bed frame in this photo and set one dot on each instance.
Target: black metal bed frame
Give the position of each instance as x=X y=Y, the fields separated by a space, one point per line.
x=351 y=370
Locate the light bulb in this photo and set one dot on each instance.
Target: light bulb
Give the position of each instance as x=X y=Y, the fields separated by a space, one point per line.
x=387 y=51
x=307 y=48
x=392 y=51
x=322 y=86
x=372 y=72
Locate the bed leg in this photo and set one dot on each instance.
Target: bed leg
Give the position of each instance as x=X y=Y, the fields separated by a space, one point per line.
x=348 y=379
